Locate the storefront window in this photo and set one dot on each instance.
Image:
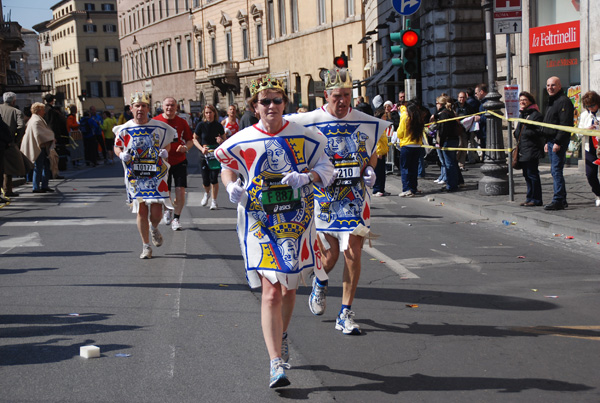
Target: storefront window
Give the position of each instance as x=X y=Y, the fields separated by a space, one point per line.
x=556 y=11
x=564 y=65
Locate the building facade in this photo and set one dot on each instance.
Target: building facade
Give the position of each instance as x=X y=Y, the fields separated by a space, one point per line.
x=86 y=54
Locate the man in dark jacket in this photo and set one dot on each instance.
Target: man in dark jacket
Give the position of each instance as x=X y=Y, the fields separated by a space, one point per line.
x=362 y=106
x=249 y=117
x=559 y=112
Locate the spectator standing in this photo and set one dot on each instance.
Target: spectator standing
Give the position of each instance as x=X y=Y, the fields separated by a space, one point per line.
x=590 y=120
x=88 y=128
x=37 y=141
x=126 y=115
x=13 y=118
x=559 y=111
x=462 y=108
x=481 y=92
x=177 y=160
x=98 y=133
x=447 y=135
x=56 y=120
x=6 y=138
x=410 y=138
x=209 y=134
x=362 y=106
x=530 y=141
x=109 y=137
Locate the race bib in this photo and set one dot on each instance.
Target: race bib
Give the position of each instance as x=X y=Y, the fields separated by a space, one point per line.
x=278 y=198
x=144 y=168
x=348 y=173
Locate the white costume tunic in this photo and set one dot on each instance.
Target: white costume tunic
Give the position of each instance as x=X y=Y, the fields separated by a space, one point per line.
x=277 y=245
x=344 y=208
x=146 y=173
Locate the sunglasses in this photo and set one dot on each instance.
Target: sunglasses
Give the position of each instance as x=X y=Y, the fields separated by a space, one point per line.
x=267 y=101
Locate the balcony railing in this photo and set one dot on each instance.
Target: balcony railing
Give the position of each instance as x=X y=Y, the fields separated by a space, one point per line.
x=223 y=69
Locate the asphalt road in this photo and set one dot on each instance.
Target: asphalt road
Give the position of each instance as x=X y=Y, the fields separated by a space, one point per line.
x=498 y=314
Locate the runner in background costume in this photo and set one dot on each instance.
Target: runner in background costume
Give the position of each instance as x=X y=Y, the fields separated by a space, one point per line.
x=343 y=210
x=143 y=147
x=277 y=162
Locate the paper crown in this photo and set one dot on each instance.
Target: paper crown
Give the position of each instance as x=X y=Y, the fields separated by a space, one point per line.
x=140 y=97
x=338 y=78
x=265 y=83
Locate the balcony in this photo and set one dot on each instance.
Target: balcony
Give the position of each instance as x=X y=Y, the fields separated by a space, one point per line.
x=224 y=76
x=10 y=32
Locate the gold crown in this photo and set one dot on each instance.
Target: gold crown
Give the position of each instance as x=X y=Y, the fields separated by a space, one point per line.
x=265 y=83
x=338 y=78
x=140 y=97
x=287 y=230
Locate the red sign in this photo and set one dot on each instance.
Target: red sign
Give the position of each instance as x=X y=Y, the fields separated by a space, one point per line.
x=507 y=5
x=551 y=38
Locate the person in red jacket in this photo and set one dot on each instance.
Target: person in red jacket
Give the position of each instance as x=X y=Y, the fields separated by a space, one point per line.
x=177 y=159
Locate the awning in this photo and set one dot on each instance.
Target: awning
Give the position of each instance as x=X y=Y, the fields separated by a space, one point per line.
x=383 y=75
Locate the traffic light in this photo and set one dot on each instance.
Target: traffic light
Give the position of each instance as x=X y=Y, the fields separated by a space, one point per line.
x=409 y=41
x=341 y=62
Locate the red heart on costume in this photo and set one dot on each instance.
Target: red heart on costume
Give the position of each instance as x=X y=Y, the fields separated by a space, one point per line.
x=367 y=212
x=305 y=252
x=233 y=165
x=249 y=156
x=127 y=139
x=163 y=187
x=140 y=151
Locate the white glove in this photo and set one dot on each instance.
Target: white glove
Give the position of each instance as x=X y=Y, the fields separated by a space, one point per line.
x=163 y=153
x=369 y=176
x=235 y=191
x=295 y=180
x=125 y=156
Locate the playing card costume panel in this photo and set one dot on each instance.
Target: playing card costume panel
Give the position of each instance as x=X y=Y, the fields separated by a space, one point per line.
x=346 y=204
x=275 y=222
x=146 y=173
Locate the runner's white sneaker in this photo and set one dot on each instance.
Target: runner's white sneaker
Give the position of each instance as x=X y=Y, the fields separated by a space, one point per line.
x=317 y=300
x=278 y=376
x=345 y=322
x=168 y=216
x=213 y=205
x=146 y=253
x=157 y=238
x=176 y=225
x=204 y=201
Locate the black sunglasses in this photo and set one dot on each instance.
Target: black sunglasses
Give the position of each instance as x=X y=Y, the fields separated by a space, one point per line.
x=267 y=101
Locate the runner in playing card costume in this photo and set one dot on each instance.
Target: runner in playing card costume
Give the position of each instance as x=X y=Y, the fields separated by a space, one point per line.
x=343 y=210
x=276 y=162
x=143 y=147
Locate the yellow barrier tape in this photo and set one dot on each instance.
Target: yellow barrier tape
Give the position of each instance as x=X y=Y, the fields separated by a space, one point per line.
x=455 y=148
x=456 y=118
x=574 y=130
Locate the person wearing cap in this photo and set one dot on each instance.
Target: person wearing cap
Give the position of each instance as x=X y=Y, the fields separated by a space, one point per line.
x=343 y=210
x=143 y=146
x=277 y=162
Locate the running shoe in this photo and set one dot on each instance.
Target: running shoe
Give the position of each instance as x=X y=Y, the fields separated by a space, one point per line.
x=317 y=300
x=408 y=193
x=146 y=253
x=345 y=323
x=157 y=238
x=213 y=205
x=278 y=376
x=168 y=216
x=285 y=349
x=204 y=201
x=176 y=225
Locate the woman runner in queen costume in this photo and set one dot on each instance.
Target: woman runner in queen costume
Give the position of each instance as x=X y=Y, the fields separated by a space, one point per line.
x=277 y=163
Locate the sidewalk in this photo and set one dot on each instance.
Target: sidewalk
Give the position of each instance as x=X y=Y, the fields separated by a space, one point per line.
x=580 y=219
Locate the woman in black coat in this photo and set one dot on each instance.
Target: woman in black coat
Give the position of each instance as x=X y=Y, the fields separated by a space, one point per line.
x=531 y=148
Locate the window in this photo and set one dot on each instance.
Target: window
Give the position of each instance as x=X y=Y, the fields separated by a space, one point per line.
x=91 y=54
x=245 y=50
x=187 y=4
x=196 y=3
x=109 y=28
x=178 y=47
x=294 y=7
x=94 y=89
x=114 y=89
x=167 y=8
x=213 y=47
x=90 y=7
x=176 y=6
x=89 y=28
x=190 y=56
x=282 y=26
x=259 y=40
x=111 y=54
x=108 y=7
x=321 y=12
x=169 y=56
x=349 y=8
x=164 y=59
x=229 y=46
x=160 y=9
x=153 y=13
x=200 y=56
x=152 y=65
x=270 y=20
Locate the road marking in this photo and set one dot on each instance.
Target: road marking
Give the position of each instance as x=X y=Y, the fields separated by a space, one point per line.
x=447 y=259
x=102 y=221
x=562 y=331
x=27 y=241
x=391 y=263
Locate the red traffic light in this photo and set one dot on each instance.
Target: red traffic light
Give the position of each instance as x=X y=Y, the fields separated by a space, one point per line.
x=410 y=38
x=341 y=62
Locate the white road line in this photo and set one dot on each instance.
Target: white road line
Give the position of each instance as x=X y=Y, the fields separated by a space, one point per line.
x=101 y=221
x=31 y=240
x=391 y=263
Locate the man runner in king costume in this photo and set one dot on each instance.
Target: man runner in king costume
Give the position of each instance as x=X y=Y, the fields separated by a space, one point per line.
x=343 y=210
x=143 y=146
